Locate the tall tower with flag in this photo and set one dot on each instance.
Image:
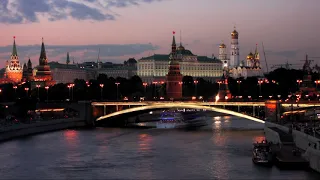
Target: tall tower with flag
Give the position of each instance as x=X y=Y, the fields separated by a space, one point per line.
x=174 y=76
x=13 y=68
x=234 y=52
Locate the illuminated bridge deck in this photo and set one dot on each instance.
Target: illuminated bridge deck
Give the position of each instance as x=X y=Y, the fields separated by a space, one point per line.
x=146 y=103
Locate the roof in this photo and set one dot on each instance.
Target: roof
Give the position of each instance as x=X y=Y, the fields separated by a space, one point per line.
x=157 y=57
x=43 y=54
x=14 y=49
x=184 y=52
x=131 y=60
x=54 y=65
x=164 y=57
x=118 y=68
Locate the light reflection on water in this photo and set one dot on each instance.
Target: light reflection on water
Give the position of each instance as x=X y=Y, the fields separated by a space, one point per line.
x=222 y=151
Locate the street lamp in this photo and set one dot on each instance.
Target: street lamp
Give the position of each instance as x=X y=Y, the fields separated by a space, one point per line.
x=69 y=87
x=196 y=83
x=15 y=91
x=38 y=86
x=260 y=83
x=299 y=82
x=155 y=88
x=145 y=88
x=27 y=90
x=72 y=85
x=47 y=88
x=239 y=82
x=317 y=82
x=219 y=82
x=117 y=83
x=101 y=91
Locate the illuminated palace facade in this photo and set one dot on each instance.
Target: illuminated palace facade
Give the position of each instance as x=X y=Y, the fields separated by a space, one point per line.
x=155 y=67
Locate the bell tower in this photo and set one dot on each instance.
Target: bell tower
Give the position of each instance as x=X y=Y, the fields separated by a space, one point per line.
x=223 y=55
x=174 y=77
x=234 y=56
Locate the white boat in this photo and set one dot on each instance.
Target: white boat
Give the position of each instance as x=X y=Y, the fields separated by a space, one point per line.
x=170 y=120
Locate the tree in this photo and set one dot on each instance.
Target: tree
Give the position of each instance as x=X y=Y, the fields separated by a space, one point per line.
x=187 y=86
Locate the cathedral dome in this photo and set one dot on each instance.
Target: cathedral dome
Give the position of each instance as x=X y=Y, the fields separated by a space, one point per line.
x=234 y=33
x=180 y=48
x=222 y=45
x=250 y=56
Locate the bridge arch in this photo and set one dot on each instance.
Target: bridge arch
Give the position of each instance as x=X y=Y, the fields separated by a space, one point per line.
x=179 y=105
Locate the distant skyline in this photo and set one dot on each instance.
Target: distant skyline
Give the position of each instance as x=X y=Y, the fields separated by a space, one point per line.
x=138 y=28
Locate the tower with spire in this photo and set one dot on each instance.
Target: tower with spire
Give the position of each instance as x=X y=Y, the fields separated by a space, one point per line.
x=174 y=76
x=14 y=70
x=68 y=59
x=234 y=52
x=43 y=73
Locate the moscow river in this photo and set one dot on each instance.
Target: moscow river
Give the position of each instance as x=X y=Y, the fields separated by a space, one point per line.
x=220 y=151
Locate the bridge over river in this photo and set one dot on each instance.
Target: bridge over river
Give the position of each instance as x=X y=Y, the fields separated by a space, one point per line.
x=105 y=110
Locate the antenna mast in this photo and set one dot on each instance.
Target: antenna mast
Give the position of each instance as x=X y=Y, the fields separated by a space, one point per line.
x=265 y=58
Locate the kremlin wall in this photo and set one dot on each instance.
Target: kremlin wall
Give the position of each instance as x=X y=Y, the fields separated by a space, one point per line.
x=155 y=68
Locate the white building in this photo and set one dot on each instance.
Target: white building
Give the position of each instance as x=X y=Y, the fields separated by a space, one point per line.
x=250 y=68
x=67 y=73
x=155 y=67
x=125 y=70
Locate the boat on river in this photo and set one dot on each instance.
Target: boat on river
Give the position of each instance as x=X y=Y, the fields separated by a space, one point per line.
x=170 y=120
x=262 y=154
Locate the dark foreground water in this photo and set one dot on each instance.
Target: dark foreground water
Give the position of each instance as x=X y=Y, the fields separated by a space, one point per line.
x=222 y=151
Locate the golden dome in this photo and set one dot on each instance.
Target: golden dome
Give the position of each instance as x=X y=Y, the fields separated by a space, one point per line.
x=250 y=56
x=222 y=46
x=234 y=33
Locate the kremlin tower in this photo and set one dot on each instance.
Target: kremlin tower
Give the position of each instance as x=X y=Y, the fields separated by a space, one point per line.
x=43 y=73
x=174 y=77
x=27 y=71
x=235 y=55
x=13 y=69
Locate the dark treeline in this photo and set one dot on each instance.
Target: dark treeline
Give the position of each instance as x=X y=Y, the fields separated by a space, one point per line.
x=281 y=82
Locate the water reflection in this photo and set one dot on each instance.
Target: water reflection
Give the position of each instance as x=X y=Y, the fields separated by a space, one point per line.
x=220 y=160
x=144 y=142
x=145 y=150
x=71 y=137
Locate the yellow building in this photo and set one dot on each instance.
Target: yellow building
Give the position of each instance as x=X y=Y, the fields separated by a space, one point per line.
x=155 y=67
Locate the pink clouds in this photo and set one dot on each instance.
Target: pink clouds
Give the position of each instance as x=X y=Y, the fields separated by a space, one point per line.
x=206 y=22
